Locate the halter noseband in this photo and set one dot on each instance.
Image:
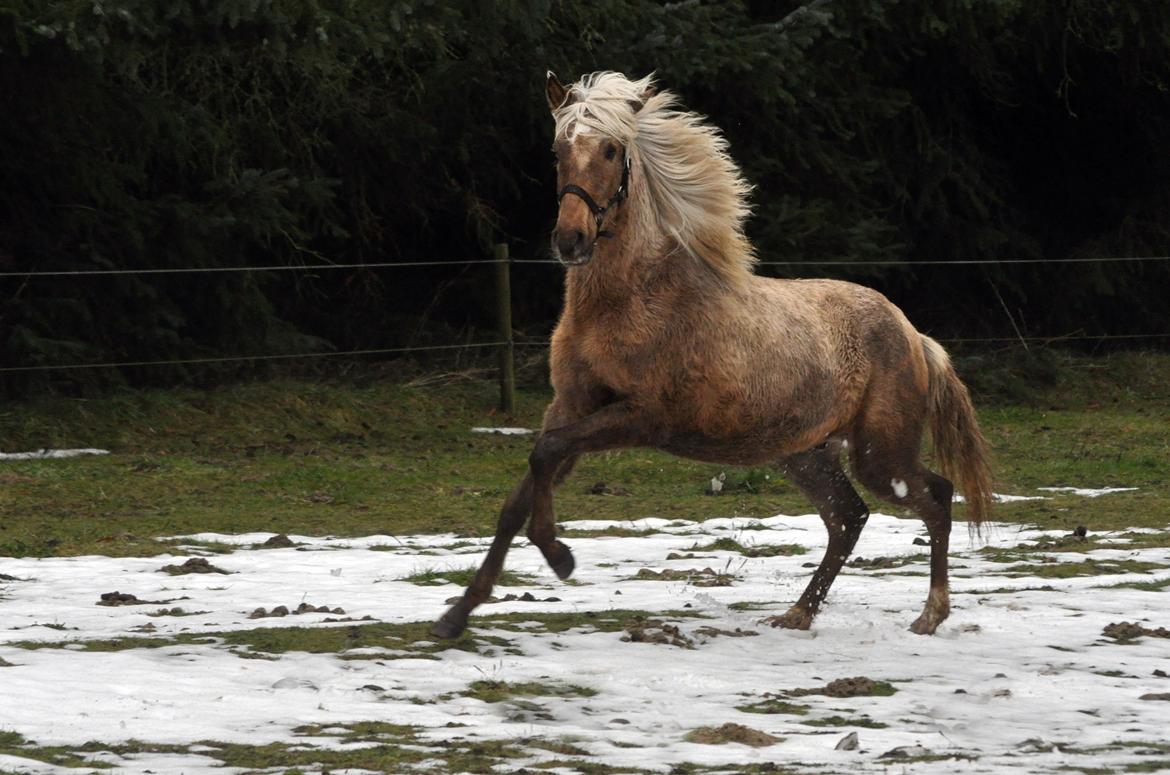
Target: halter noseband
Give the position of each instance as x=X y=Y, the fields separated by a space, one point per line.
x=597 y=210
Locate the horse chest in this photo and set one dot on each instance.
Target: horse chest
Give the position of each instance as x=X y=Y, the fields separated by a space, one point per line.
x=622 y=364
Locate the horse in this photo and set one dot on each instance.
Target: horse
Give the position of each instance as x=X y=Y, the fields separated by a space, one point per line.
x=669 y=340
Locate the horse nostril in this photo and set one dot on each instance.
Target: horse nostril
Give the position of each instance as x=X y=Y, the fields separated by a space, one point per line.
x=570 y=241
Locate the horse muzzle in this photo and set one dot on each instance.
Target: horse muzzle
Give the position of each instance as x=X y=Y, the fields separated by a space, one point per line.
x=571 y=247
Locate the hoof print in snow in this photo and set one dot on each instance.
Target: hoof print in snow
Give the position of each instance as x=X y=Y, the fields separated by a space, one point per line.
x=193 y=565
x=295 y=683
x=731 y=733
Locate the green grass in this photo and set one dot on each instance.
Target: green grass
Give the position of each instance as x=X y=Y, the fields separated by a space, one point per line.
x=328 y=459
x=755 y=550
x=1090 y=567
x=774 y=705
x=463 y=577
x=500 y=691
x=409 y=640
x=844 y=721
x=387 y=641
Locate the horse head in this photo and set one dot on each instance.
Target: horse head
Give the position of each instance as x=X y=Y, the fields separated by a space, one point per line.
x=593 y=174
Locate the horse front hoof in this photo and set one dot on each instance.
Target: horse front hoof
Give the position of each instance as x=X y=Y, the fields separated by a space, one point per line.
x=936 y=611
x=792 y=619
x=561 y=561
x=450 y=625
x=925 y=624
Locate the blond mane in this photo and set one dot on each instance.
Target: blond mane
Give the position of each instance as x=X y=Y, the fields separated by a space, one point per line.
x=692 y=191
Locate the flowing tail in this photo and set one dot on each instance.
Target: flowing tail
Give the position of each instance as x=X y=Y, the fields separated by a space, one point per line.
x=959 y=446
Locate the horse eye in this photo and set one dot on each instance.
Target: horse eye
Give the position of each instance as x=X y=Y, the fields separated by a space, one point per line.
x=610 y=152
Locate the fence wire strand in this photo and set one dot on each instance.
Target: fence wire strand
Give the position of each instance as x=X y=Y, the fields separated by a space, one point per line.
x=553 y=261
x=243 y=358
x=538 y=343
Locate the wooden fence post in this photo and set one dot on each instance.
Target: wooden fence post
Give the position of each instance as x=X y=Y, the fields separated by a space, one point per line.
x=504 y=326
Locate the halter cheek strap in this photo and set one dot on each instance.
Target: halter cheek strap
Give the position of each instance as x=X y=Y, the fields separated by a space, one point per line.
x=597 y=210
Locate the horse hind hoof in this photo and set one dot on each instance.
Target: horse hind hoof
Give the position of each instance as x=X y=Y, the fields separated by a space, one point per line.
x=792 y=619
x=563 y=564
x=450 y=625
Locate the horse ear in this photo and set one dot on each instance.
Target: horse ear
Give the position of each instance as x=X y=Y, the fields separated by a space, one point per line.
x=640 y=103
x=555 y=92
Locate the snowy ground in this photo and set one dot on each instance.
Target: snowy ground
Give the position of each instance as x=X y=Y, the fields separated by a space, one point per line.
x=1021 y=677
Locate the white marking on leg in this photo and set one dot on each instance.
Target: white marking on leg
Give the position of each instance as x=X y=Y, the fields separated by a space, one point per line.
x=900 y=488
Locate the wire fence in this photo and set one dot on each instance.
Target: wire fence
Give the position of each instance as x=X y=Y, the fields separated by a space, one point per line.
x=844 y=263
x=506 y=343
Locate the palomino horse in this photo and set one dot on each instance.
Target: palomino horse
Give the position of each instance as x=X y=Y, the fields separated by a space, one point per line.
x=668 y=340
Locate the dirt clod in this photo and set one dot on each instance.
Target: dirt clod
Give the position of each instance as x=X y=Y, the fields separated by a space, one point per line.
x=698 y=578
x=193 y=565
x=858 y=686
x=121 y=598
x=879 y=563
x=713 y=632
x=655 y=631
x=279 y=541
x=731 y=733
x=303 y=608
x=1156 y=696
x=1125 y=631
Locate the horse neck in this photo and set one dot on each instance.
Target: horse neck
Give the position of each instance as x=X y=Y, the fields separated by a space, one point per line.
x=636 y=277
x=639 y=268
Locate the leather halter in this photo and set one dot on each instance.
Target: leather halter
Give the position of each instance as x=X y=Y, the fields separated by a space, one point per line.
x=597 y=210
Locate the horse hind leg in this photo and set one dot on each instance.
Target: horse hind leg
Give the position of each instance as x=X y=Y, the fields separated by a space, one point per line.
x=819 y=475
x=901 y=479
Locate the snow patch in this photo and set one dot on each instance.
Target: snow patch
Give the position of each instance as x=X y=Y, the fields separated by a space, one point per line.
x=51 y=454
x=1041 y=688
x=1085 y=492
x=505 y=431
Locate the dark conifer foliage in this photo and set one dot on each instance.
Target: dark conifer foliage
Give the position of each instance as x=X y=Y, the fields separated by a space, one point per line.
x=222 y=133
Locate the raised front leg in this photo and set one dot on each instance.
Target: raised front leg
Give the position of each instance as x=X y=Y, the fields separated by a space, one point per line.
x=612 y=426
x=819 y=475
x=552 y=458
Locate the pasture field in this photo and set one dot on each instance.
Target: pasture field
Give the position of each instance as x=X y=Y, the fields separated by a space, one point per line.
x=227 y=651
